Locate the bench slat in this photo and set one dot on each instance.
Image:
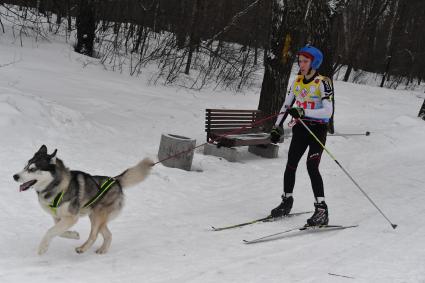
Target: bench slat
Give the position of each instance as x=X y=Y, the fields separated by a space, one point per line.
x=212 y=128
x=230 y=130
x=248 y=119
x=232 y=111
x=242 y=123
x=212 y=117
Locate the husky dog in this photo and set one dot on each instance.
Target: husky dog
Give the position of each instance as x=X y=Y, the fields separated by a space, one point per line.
x=66 y=195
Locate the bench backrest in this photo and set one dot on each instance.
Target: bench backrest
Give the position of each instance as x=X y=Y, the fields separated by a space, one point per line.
x=225 y=121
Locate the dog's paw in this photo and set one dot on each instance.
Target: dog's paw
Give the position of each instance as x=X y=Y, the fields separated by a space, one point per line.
x=42 y=249
x=71 y=235
x=80 y=250
x=101 y=250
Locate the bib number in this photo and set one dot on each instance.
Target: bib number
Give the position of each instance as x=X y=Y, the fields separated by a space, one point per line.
x=305 y=104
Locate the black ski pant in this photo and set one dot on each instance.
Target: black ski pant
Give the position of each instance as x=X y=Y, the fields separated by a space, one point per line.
x=301 y=139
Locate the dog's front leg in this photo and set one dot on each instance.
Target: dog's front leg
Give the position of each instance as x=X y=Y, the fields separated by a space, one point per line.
x=68 y=234
x=58 y=229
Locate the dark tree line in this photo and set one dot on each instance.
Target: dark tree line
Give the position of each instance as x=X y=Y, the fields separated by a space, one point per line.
x=368 y=35
x=226 y=41
x=386 y=33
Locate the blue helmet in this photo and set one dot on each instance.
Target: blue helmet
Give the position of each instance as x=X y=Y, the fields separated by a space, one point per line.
x=314 y=54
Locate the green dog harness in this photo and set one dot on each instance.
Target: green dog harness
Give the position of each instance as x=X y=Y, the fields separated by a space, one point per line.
x=56 y=201
x=103 y=189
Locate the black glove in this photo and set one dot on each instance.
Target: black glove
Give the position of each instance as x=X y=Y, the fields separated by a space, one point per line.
x=220 y=144
x=296 y=112
x=276 y=134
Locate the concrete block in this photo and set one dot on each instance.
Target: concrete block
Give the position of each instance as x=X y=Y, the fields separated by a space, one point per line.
x=229 y=153
x=174 y=145
x=266 y=150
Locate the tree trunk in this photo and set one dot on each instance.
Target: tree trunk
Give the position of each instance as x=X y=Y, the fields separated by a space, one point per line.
x=57 y=7
x=393 y=16
x=86 y=27
x=348 y=72
x=387 y=71
x=346 y=33
x=68 y=12
x=286 y=21
x=181 y=30
x=193 y=35
x=369 y=63
x=422 y=111
x=320 y=32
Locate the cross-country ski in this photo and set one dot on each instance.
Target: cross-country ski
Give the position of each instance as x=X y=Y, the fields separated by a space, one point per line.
x=306 y=228
x=264 y=219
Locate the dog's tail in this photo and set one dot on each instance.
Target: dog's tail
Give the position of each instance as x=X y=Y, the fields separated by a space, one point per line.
x=136 y=174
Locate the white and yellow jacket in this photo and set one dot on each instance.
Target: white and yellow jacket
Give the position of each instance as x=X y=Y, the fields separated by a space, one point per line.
x=314 y=96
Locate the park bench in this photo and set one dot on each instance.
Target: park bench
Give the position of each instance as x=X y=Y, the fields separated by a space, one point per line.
x=230 y=128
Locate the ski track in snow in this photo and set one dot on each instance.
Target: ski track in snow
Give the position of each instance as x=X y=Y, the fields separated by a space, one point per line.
x=102 y=122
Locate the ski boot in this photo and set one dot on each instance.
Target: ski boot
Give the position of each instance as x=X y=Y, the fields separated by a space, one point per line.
x=320 y=216
x=284 y=207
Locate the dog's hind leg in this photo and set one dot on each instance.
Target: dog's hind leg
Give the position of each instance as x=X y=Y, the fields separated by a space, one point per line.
x=107 y=239
x=68 y=234
x=58 y=229
x=96 y=222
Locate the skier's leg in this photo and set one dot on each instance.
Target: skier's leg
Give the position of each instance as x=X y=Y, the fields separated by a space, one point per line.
x=297 y=148
x=321 y=215
x=313 y=161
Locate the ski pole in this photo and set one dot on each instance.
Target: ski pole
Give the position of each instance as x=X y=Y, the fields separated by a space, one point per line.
x=348 y=174
x=352 y=134
x=341 y=135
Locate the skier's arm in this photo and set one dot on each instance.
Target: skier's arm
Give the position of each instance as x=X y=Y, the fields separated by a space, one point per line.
x=327 y=95
x=287 y=104
x=321 y=113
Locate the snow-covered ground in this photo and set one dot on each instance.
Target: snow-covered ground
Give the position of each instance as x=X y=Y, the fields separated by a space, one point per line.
x=102 y=122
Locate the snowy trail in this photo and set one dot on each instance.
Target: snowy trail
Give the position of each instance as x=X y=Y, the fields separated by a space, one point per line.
x=103 y=122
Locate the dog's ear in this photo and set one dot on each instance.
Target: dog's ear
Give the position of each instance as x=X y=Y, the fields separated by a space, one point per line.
x=53 y=157
x=43 y=149
x=53 y=154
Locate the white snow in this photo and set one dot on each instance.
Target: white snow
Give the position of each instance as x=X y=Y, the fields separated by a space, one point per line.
x=102 y=122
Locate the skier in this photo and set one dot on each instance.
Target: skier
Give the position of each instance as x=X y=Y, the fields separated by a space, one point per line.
x=312 y=94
